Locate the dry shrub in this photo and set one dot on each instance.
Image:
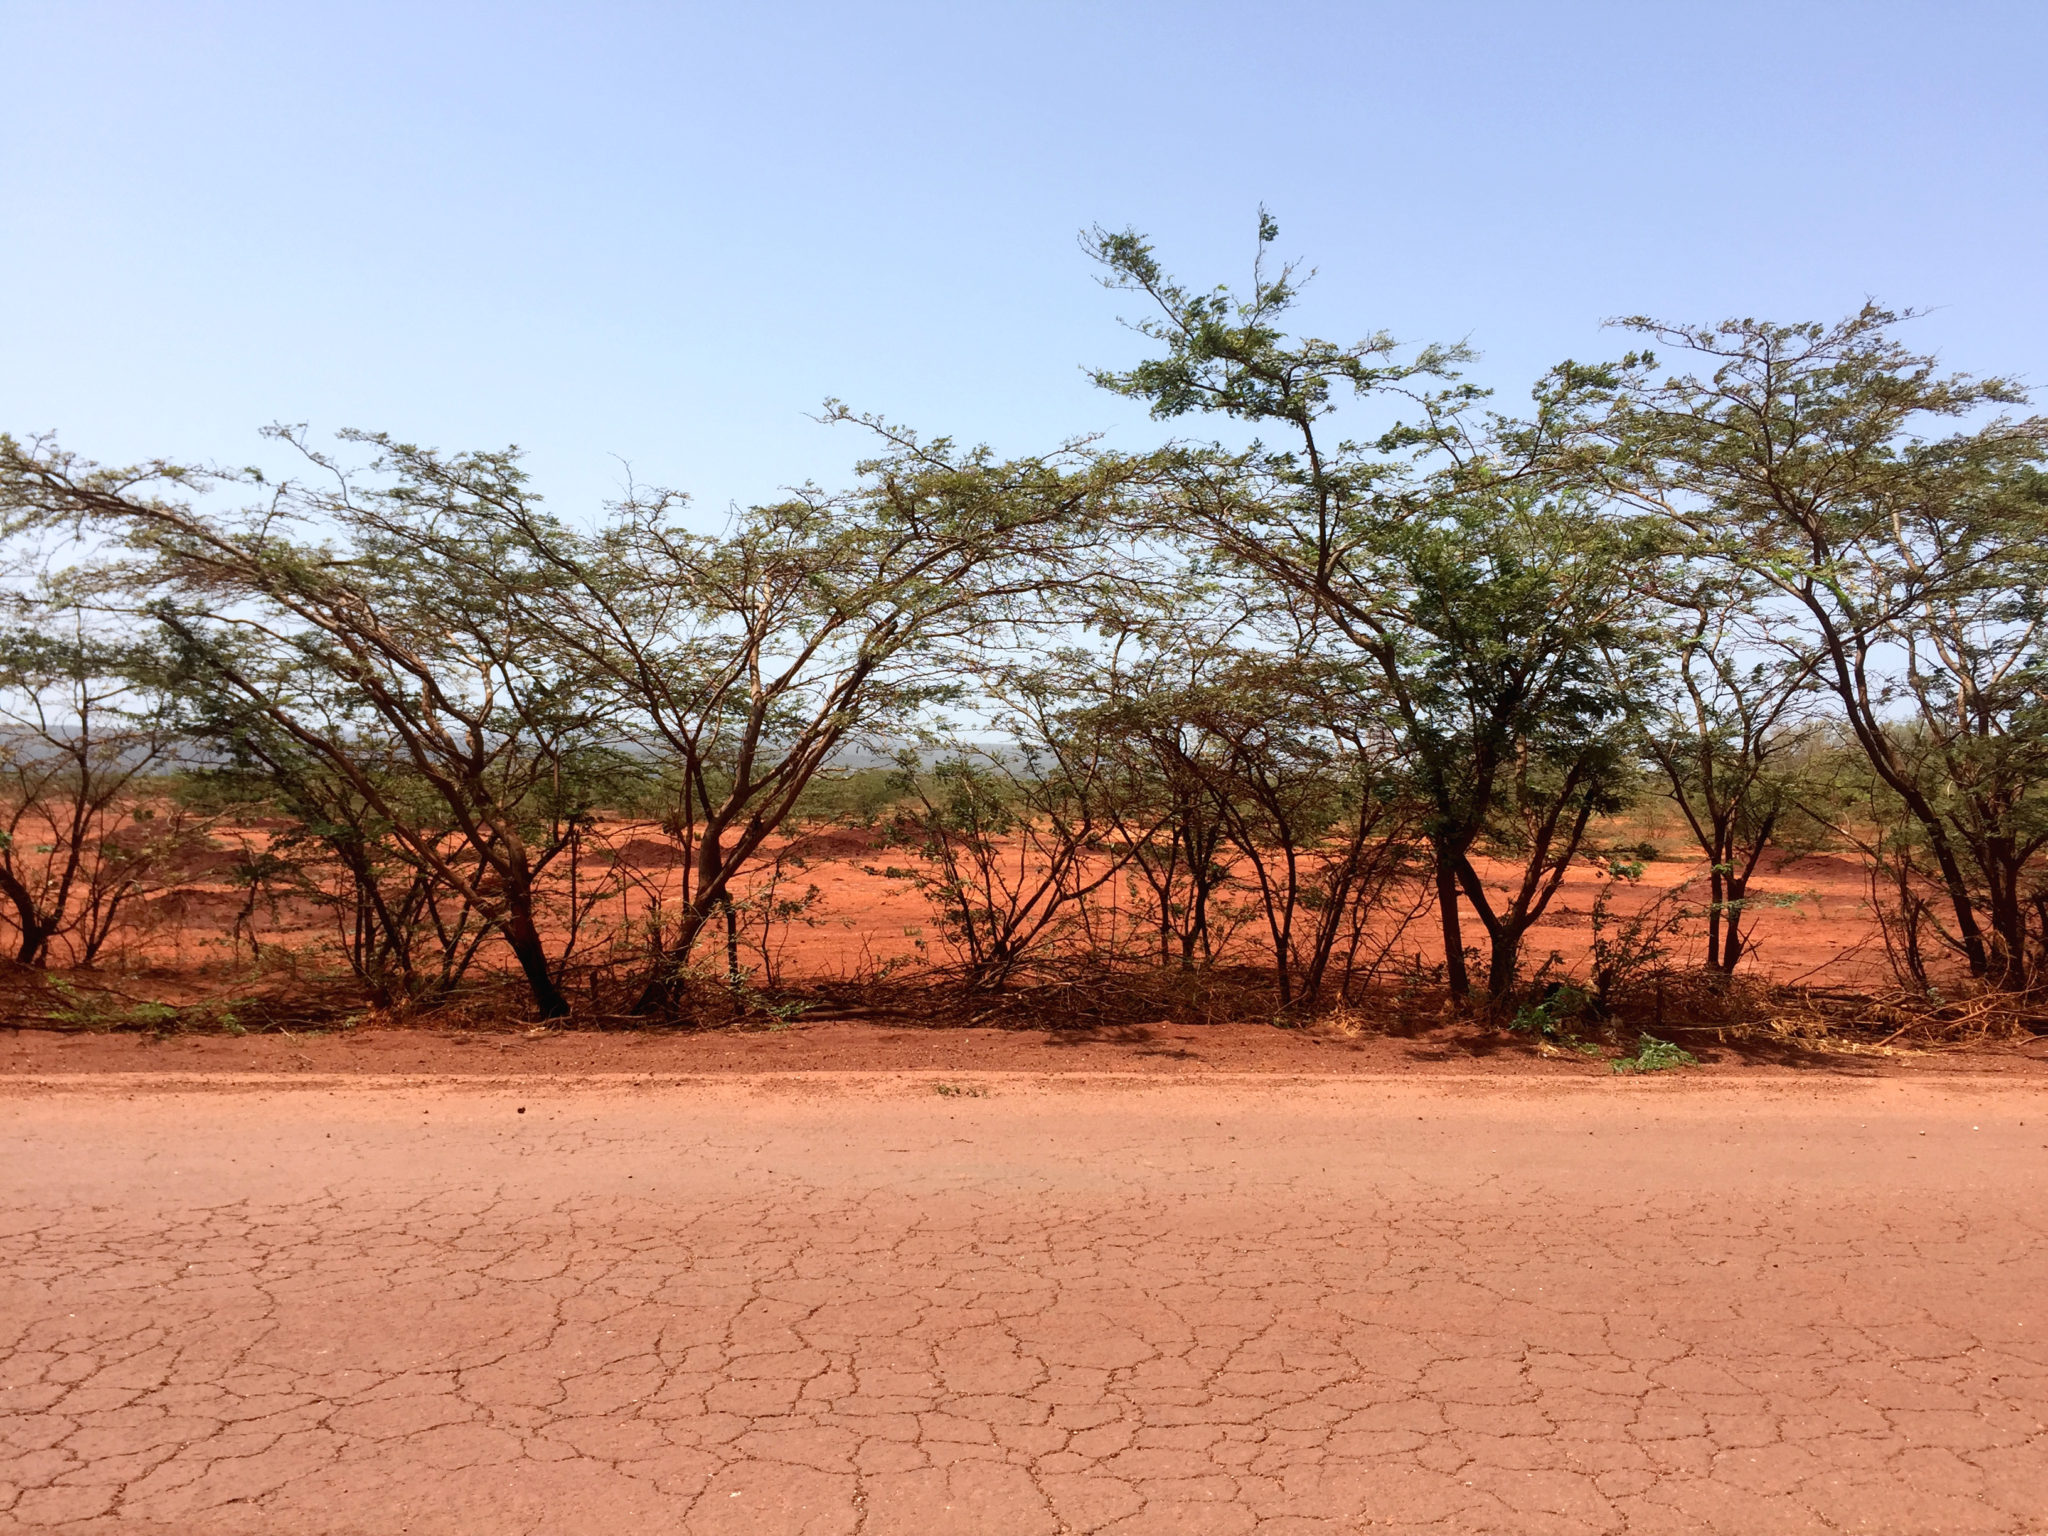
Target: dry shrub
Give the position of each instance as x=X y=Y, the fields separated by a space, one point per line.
x=1076 y=996
x=1752 y=1009
x=1902 y=1016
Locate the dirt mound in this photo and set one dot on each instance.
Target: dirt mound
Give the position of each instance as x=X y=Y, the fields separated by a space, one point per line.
x=649 y=853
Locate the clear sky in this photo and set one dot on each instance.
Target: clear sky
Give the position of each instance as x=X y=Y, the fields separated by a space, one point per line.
x=664 y=233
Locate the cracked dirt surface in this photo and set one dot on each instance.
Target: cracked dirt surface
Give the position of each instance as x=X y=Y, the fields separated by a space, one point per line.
x=854 y=1304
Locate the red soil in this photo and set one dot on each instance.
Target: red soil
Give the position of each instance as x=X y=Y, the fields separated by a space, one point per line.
x=854 y=1304
x=1809 y=919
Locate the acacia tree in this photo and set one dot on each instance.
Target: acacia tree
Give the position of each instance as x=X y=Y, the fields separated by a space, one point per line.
x=407 y=934
x=370 y=649
x=1465 y=570
x=1013 y=844
x=1308 y=796
x=84 y=721
x=739 y=664
x=1725 y=716
x=1160 y=646
x=1913 y=563
x=1161 y=801
x=509 y=661
x=1203 y=765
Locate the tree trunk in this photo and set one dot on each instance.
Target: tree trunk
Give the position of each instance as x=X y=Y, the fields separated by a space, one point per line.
x=1717 y=898
x=2001 y=863
x=660 y=994
x=36 y=930
x=34 y=951
x=1455 y=974
x=1870 y=736
x=1504 y=959
x=532 y=954
x=1737 y=889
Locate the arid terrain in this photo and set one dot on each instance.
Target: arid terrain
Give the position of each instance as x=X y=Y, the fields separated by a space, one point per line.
x=894 y=1262
x=987 y=1281
x=852 y=916
x=913 y=793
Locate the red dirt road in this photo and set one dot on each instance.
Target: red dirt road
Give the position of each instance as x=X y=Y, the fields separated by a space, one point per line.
x=850 y=1303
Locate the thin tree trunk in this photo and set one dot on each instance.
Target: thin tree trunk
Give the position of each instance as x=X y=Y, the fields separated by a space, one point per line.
x=532 y=955
x=36 y=929
x=1717 y=898
x=1456 y=976
x=1732 y=939
x=1504 y=959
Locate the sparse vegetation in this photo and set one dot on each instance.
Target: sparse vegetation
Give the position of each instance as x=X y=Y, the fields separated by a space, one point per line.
x=1275 y=731
x=1654 y=1055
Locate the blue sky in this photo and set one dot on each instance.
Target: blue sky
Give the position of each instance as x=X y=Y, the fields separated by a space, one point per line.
x=665 y=233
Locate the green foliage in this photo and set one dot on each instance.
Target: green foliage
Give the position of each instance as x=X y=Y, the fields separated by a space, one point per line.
x=1895 y=524
x=86 y=731
x=1625 y=950
x=93 y=1012
x=1654 y=1055
x=1463 y=570
x=1553 y=1016
x=1227 y=354
x=859 y=797
x=1289 y=689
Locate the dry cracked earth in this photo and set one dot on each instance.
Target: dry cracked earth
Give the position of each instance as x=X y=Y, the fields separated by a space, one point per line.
x=853 y=1303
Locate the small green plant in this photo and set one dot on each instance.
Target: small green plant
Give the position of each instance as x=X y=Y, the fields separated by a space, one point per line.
x=81 y=1010
x=216 y=1013
x=770 y=1014
x=1552 y=1016
x=1654 y=1055
x=156 y=1018
x=959 y=1091
x=75 y=1008
x=1626 y=950
x=782 y=1016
